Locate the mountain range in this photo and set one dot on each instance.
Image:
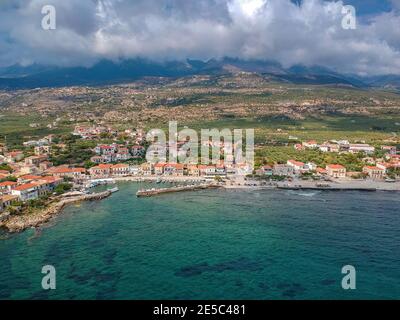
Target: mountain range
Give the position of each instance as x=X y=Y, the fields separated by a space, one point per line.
x=109 y=72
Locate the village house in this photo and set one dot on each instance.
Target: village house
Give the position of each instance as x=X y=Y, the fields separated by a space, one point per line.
x=26 y=192
x=28 y=169
x=193 y=170
x=310 y=166
x=42 y=187
x=138 y=151
x=336 y=171
x=283 y=170
x=206 y=170
x=146 y=169
x=27 y=178
x=120 y=169
x=108 y=158
x=329 y=147
x=134 y=170
x=173 y=169
x=35 y=160
x=123 y=154
x=321 y=171
x=366 y=148
x=7 y=186
x=243 y=169
x=97 y=159
x=159 y=168
x=389 y=149
x=101 y=171
x=105 y=149
x=297 y=165
x=74 y=173
x=385 y=166
x=312 y=144
x=393 y=158
x=14 y=156
x=374 y=172
x=220 y=170
x=6 y=201
x=265 y=171
x=52 y=182
x=40 y=150
x=45 y=165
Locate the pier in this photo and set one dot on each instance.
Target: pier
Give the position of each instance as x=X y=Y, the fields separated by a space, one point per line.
x=155 y=192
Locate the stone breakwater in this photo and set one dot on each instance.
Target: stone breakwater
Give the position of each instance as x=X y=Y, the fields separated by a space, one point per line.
x=20 y=223
x=155 y=192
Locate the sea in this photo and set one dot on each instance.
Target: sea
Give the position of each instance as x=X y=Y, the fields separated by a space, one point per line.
x=211 y=244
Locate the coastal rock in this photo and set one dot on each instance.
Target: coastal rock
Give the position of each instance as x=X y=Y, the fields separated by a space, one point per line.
x=19 y=223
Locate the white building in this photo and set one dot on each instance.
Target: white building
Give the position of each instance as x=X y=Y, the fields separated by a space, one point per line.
x=26 y=192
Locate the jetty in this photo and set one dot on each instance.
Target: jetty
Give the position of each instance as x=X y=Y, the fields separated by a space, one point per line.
x=159 y=191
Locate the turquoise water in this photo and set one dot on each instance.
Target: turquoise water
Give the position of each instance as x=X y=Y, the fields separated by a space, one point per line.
x=212 y=245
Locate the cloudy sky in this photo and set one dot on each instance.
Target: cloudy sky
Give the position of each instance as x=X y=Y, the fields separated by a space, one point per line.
x=307 y=32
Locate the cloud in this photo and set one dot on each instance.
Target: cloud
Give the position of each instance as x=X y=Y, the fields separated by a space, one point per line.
x=308 y=33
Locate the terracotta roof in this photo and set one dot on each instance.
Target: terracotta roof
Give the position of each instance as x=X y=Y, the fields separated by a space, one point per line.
x=25 y=187
x=7 y=183
x=68 y=170
x=175 y=165
x=296 y=163
x=102 y=166
x=335 y=166
x=372 y=168
x=120 y=165
x=29 y=177
x=202 y=167
x=50 y=179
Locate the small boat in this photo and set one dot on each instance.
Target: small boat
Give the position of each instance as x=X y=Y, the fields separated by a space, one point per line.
x=112 y=190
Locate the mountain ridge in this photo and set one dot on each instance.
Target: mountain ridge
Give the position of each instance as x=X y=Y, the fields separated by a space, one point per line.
x=107 y=72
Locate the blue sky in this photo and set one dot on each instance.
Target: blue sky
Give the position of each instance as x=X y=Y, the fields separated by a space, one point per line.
x=309 y=33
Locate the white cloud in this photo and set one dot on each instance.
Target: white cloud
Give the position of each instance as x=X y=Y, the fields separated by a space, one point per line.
x=310 y=34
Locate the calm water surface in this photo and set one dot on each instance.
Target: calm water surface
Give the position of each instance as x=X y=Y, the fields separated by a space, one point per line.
x=211 y=245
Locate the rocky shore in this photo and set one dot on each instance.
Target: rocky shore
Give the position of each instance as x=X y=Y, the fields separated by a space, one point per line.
x=18 y=223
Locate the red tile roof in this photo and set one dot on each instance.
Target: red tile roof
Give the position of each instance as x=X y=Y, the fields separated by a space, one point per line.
x=29 y=177
x=7 y=183
x=335 y=166
x=25 y=187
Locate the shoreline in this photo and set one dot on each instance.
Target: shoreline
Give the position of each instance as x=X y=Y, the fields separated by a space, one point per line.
x=19 y=223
